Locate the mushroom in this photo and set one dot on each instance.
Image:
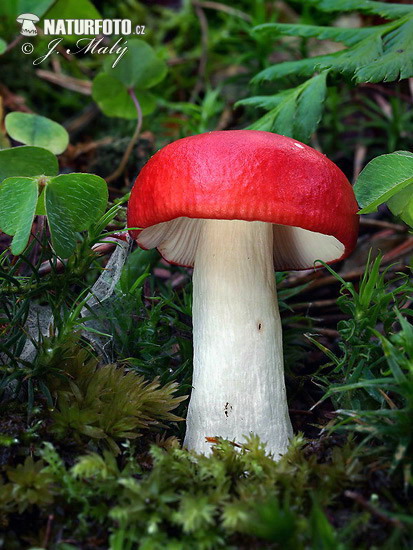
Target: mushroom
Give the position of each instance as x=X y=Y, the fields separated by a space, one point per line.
x=27 y=21
x=235 y=205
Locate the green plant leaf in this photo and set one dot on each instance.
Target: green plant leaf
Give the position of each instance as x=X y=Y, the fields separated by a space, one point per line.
x=396 y=60
x=114 y=100
x=302 y=67
x=37 y=130
x=13 y=8
x=281 y=118
x=38 y=7
x=347 y=61
x=338 y=34
x=401 y=204
x=84 y=195
x=383 y=52
x=140 y=67
x=27 y=161
x=73 y=203
x=72 y=9
x=323 y=534
x=297 y=111
x=267 y=102
x=3 y=46
x=359 y=56
x=18 y=199
x=382 y=178
x=377 y=53
x=61 y=225
x=40 y=208
x=310 y=107
x=391 y=11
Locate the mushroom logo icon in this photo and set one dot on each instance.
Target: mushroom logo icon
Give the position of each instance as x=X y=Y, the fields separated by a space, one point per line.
x=27 y=21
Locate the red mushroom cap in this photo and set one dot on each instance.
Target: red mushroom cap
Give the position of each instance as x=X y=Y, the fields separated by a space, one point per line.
x=245 y=175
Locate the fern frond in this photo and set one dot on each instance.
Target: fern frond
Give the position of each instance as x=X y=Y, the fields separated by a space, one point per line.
x=381 y=53
x=294 y=112
x=301 y=67
x=337 y=34
x=267 y=102
x=396 y=61
x=374 y=54
x=385 y=9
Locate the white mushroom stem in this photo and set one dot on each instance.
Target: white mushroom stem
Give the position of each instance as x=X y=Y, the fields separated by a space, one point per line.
x=238 y=379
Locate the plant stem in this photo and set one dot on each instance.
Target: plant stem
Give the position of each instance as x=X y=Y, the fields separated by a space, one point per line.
x=13 y=43
x=224 y=8
x=203 y=22
x=132 y=142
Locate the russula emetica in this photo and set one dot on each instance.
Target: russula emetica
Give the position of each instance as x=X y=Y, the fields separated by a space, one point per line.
x=236 y=205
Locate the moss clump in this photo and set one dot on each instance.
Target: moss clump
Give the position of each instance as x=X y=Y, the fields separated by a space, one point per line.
x=172 y=498
x=109 y=403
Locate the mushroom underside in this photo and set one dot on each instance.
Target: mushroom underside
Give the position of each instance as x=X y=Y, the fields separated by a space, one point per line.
x=294 y=247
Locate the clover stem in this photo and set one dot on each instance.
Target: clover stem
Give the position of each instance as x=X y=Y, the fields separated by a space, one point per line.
x=132 y=142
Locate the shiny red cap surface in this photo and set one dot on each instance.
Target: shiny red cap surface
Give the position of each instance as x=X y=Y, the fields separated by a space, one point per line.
x=245 y=175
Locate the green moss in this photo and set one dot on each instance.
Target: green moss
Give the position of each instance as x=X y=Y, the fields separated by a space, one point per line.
x=107 y=403
x=29 y=484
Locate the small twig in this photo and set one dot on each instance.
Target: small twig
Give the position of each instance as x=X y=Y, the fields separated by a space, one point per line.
x=371 y=222
x=316 y=280
x=204 y=52
x=224 y=8
x=401 y=250
x=325 y=331
x=57 y=68
x=12 y=101
x=83 y=148
x=386 y=91
x=332 y=318
x=315 y=304
x=215 y=440
x=359 y=158
x=224 y=119
x=132 y=142
x=69 y=82
x=35 y=252
x=13 y=43
x=48 y=530
x=389 y=401
x=82 y=119
x=318 y=330
x=100 y=249
x=372 y=509
x=286 y=11
x=384 y=105
x=300 y=411
x=177 y=61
